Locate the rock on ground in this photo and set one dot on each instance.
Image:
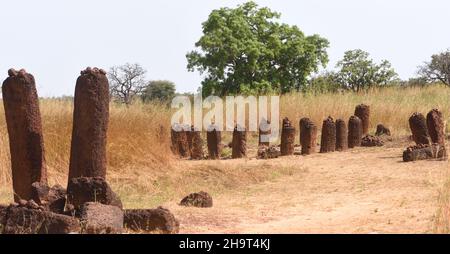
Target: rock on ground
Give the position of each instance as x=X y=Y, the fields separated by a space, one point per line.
x=91 y=189
x=22 y=220
x=151 y=220
x=200 y=199
x=98 y=218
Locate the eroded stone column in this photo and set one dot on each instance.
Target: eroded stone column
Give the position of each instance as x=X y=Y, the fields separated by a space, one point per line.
x=308 y=136
x=239 y=143
x=213 y=140
x=419 y=129
x=355 y=132
x=341 y=135
x=363 y=112
x=435 y=126
x=90 y=125
x=24 y=126
x=328 y=139
x=197 y=144
x=287 y=138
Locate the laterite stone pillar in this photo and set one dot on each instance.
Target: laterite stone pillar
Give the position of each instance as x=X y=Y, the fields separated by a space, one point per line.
x=24 y=126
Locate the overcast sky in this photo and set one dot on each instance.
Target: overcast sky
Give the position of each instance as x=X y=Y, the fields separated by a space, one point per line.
x=54 y=39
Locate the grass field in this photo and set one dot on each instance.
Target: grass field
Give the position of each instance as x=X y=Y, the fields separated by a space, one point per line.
x=143 y=171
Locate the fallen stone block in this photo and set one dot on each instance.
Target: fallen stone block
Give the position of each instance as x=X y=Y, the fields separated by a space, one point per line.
x=91 y=189
x=270 y=152
x=52 y=199
x=200 y=199
x=371 y=141
x=98 y=218
x=22 y=220
x=151 y=220
x=424 y=152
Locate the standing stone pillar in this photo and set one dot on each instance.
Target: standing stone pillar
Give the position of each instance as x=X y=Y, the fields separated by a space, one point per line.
x=419 y=129
x=180 y=140
x=355 y=132
x=435 y=126
x=363 y=112
x=264 y=130
x=197 y=144
x=90 y=125
x=24 y=126
x=287 y=138
x=239 y=143
x=308 y=136
x=341 y=135
x=328 y=139
x=213 y=140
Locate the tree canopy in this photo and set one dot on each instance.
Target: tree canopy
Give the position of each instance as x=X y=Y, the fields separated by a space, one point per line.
x=438 y=69
x=356 y=71
x=245 y=50
x=161 y=90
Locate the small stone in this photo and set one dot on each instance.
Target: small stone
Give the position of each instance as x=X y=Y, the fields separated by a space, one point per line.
x=200 y=199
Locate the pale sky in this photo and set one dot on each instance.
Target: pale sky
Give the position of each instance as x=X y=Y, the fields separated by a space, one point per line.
x=55 y=39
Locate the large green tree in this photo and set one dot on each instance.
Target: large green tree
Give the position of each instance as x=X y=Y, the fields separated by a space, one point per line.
x=245 y=50
x=357 y=71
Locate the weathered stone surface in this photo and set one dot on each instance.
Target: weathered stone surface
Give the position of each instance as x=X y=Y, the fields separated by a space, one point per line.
x=308 y=136
x=268 y=152
x=90 y=125
x=287 y=138
x=24 y=126
x=363 y=112
x=213 y=140
x=419 y=129
x=52 y=199
x=98 y=218
x=382 y=130
x=199 y=199
x=3 y=217
x=341 y=135
x=180 y=140
x=424 y=152
x=370 y=141
x=151 y=220
x=264 y=133
x=435 y=126
x=22 y=220
x=328 y=139
x=91 y=189
x=196 y=144
x=239 y=143
x=355 y=132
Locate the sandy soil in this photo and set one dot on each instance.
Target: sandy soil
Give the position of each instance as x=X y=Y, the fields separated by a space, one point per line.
x=365 y=190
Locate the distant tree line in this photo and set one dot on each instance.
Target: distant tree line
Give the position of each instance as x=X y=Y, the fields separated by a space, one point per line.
x=128 y=83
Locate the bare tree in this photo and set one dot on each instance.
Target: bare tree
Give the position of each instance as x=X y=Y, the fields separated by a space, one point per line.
x=126 y=81
x=438 y=70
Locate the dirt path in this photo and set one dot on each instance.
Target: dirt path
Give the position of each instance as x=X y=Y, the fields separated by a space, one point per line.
x=367 y=190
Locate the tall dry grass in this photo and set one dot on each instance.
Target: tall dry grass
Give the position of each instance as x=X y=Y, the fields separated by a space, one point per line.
x=142 y=169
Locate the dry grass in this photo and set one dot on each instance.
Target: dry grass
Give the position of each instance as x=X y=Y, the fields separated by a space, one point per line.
x=143 y=171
